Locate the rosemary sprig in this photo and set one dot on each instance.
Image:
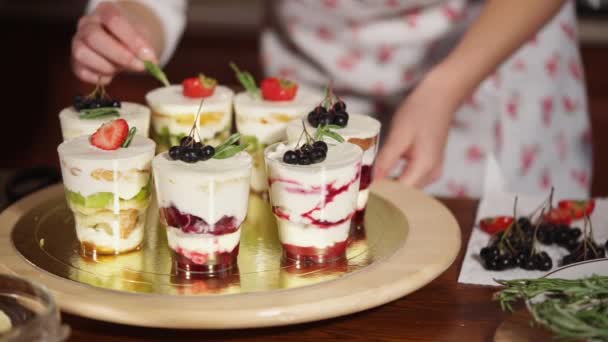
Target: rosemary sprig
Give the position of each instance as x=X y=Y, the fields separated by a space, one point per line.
x=157 y=72
x=327 y=131
x=247 y=81
x=96 y=113
x=130 y=136
x=572 y=309
x=229 y=148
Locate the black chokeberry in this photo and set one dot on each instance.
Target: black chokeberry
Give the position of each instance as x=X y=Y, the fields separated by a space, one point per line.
x=198 y=145
x=543 y=261
x=317 y=155
x=175 y=152
x=207 y=152
x=489 y=252
x=190 y=155
x=304 y=159
x=187 y=141
x=544 y=235
x=290 y=157
x=325 y=120
x=306 y=148
x=313 y=118
x=320 y=145
x=575 y=233
x=115 y=104
x=492 y=264
x=340 y=119
x=339 y=106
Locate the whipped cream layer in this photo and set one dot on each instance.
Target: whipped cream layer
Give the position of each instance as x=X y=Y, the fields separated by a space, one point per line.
x=73 y=126
x=173 y=111
x=202 y=243
x=208 y=189
x=267 y=120
x=314 y=203
x=87 y=169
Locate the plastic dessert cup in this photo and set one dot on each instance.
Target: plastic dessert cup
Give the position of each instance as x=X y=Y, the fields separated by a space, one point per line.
x=362 y=130
x=314 y=204
x=108 y=192
x=73 y=126
x=173 y=115
x=202 y=205
x=263 y=122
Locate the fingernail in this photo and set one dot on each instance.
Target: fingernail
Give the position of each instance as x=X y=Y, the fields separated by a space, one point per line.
x=137 y=64
x=146 y=54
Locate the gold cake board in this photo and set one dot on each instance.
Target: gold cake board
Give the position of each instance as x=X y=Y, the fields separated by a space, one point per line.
x=410 y=240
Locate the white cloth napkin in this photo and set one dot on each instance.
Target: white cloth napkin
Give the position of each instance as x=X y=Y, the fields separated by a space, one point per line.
x=497 y=202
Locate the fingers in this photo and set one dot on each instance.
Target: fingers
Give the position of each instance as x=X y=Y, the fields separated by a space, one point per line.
x=120 y=27
x=421 y=172
x=86 y=57
x=89 y=76
x=102 y=43
x=394 y=148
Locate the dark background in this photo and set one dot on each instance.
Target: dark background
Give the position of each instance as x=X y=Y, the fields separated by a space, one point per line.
x=37 y=81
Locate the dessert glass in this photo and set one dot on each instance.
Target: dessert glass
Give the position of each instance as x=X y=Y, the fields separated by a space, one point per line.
x=108 y=193
x=173 y=115
x=73 y=126
x=263 y=122
x=314 y=204
x=202 y=205
x=362 y=130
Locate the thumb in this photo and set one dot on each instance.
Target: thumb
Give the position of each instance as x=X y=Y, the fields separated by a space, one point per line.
x=390 y=153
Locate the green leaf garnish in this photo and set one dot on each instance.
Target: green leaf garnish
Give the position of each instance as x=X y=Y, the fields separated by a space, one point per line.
x=96 y=113
x=228 y=148
x=326 y=131
x=130 y=136
x=157 y=72
x=247 y=81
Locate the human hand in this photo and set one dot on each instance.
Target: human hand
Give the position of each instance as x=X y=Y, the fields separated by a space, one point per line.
x=107 y=42
x=419 y=132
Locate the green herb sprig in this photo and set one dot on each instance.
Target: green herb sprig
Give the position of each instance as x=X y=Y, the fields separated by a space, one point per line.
x=96 y=113
x=572 y=309
x=157 y=72
x=327 y=131
x=130 y=137
x=229 y=147
x=247 y=81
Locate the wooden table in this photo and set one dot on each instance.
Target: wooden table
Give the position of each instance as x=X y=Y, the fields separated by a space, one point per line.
x=442 y=311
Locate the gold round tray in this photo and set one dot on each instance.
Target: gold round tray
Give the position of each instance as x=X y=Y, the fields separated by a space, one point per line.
x=409 y=239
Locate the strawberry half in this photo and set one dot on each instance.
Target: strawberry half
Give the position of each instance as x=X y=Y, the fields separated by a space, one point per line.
x=198 y=87
x=278 y=89
x=578 y=209
x=111 y=135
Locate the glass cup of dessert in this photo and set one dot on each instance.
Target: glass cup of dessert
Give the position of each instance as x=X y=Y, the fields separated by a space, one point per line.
x=361 y=130
x=174 y=110
x=203 y=194
x=107 y=183
x=263 y=113
x=313 y=198
x=89 y=112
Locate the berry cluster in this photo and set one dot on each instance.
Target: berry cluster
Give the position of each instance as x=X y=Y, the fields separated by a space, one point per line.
x=515 y=247
x=307 y=154
x=96 y=99
x=190 y=151
x=335 y=115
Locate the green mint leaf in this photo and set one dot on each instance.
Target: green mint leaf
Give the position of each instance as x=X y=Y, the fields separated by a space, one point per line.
x=230 y=141
x=96 y=113
x=337 y=137
x=247 y=81
x=333 y=127
x=157 y=72
x=229 y=151
x=130 y=136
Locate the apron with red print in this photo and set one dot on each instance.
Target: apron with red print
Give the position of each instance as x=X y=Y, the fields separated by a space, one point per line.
x=529 y=118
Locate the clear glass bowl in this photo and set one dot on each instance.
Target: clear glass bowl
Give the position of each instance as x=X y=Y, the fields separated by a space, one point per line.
x=31 y=310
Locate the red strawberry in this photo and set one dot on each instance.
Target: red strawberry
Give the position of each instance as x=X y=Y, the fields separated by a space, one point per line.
x=197 y=87
x=278 y=89
x=111 y=135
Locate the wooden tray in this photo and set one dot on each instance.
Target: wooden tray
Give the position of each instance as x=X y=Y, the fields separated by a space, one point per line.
x=409 y=239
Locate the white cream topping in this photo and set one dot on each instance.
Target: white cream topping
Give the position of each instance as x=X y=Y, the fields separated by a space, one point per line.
x=208 y=189
x=80 y=162
x=202 y=243
x=297 y=189
x=309 y=236
x=359 y=126
x=267 y=120
x=168 y=104
x=73 y=126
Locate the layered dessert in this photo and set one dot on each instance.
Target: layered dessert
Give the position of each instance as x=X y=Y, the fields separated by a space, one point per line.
x=174 y=108
x=313 y=197
x=107 y=183
x=361 y=130
x=203 y=202
x=89 y=112
x=263 y=113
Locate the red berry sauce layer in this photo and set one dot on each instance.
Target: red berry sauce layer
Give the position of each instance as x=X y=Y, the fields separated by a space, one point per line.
x=192 y=224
